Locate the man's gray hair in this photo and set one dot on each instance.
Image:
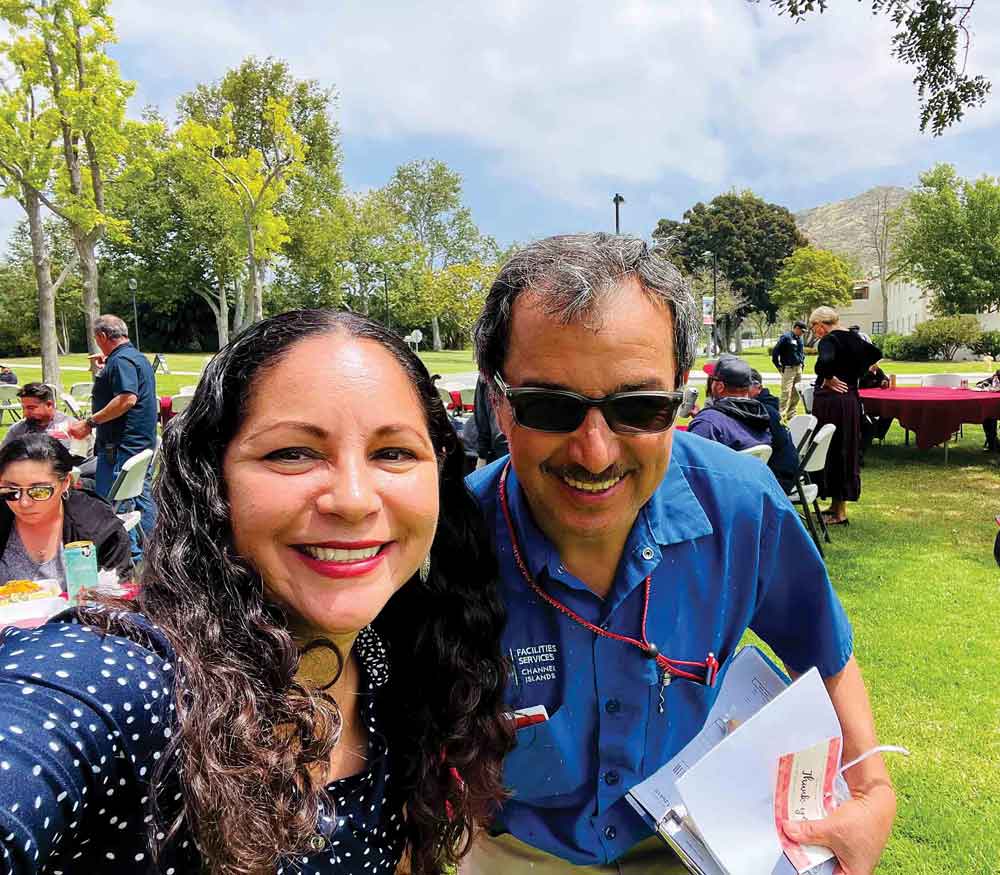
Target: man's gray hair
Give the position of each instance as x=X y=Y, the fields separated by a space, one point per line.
x=110 y=326
x=571 y=275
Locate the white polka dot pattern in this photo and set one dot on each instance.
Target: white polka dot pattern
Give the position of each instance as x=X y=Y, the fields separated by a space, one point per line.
x=84 y=720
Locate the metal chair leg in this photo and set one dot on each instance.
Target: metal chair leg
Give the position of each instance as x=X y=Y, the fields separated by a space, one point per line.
x=809 y=522
x=822 y=522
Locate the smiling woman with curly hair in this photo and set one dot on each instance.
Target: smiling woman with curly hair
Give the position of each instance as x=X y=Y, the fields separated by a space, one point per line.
x=311 y=680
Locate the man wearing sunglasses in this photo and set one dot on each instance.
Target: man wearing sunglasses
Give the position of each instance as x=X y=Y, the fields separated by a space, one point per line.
x=632 y=560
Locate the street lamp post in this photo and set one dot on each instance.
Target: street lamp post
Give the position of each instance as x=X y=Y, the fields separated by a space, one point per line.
x=617 y=200
x=133 y=285
x=715 y=298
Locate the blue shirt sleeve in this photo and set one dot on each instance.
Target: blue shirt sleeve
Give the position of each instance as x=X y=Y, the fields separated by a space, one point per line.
x=124 y=377
x=798 y=613
x=83 y=717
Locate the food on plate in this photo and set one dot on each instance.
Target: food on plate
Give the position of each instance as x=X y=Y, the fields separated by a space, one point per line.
x=22 y=591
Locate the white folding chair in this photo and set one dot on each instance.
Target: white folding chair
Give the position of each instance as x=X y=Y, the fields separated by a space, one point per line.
x=760 y=451
x=72 y=405
x=186 y=390
x=942 y=381
x=446 y=399
x=9 y=402
x=806 y=492
x=801 y=427
x=130 y=479
x=468 y=397
x=80 y=393
x=806 y=392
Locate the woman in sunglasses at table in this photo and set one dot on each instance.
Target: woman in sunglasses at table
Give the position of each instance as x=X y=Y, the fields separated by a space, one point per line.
x=310 y=677
x=40 y=512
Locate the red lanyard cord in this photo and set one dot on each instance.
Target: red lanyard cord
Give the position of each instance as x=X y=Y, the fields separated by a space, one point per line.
x=673 y=667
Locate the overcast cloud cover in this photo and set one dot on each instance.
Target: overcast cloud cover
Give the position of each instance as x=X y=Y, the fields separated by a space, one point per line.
x=547 y=108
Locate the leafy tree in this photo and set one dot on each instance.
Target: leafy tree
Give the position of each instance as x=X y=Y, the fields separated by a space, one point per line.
x=933 y=36
x=749 y=237
x=945 y=335
x=429 y=195
x=950 y=241
x=269 y=139
x=812 y=278
x=61 y=48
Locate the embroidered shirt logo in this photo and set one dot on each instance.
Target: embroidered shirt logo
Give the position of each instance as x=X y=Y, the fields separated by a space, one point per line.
x=536 y=662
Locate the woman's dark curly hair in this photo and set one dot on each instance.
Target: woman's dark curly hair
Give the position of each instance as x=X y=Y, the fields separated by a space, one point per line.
x=250 y=737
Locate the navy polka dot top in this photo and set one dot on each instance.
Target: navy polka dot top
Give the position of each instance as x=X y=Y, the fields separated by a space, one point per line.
x=84 y=719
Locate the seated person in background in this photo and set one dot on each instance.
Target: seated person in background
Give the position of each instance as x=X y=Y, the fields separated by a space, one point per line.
x=38 y=405
x=491 y=441
x=784 y=461
x=40 y=512
x=873 y=426
x=992 y=445
x=7 y=375
x=734 y=419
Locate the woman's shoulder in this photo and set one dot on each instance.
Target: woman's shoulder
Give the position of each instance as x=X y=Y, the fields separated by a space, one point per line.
x=97 y=653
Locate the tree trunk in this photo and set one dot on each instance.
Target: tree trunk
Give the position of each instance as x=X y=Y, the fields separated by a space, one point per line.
x=436 y=334
x=85 y=249
x=64 y=344
x=738 y=327
x=46 y=293
x=885 y=300
x=239 y=305
x=222 y=317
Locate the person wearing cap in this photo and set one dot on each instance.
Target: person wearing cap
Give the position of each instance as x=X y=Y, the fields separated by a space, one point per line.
x=734 y=418
x=632 y=558
x=789 y=357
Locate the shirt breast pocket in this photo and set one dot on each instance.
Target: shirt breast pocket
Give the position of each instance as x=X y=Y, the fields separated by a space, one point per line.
x=546 y=764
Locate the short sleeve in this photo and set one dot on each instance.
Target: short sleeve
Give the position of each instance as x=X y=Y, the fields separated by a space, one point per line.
x=124 y=377
x=84 y=718
x=798 y=613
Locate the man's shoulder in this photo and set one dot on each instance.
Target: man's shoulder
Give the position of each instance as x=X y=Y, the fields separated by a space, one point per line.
x=482 y=483
x=713 y=468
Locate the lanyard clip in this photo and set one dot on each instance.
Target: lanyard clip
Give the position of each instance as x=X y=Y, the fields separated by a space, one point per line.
x=711 y=670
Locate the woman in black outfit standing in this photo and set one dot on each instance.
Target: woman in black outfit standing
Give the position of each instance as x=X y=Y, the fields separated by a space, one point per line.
x=844 y=356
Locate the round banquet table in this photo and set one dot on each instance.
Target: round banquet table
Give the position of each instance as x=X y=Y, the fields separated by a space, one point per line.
x=933 y=414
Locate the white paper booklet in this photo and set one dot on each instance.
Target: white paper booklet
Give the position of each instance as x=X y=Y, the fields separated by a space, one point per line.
x=713 y=803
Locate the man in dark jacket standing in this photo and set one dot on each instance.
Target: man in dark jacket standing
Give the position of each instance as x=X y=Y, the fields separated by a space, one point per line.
x=788 y=357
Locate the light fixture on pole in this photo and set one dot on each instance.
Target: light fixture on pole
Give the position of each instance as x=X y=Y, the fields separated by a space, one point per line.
x=133 y=285
x=617 y=200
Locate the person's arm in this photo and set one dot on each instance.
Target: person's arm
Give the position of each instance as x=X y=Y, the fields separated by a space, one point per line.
x=117 y=406
x=775 y=353
x=858 y=830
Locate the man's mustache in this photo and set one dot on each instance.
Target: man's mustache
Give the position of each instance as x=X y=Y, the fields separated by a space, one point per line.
x=575 y=472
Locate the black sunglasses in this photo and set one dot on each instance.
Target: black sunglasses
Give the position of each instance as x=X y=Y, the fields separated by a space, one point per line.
x=562 y=411
x=35 y=493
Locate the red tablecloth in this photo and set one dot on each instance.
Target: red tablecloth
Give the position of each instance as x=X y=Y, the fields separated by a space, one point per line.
x=933 y=414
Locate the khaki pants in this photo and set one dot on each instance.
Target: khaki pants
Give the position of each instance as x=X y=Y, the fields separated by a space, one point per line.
x=789 y=390
x=506 y=855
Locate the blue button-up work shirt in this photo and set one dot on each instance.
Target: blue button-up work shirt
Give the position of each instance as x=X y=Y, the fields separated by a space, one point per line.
x=726 y=551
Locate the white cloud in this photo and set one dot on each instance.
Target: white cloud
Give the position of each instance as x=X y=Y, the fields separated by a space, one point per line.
x=567 y=95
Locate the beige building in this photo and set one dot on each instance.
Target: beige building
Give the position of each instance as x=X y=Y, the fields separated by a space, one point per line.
x=908 y=306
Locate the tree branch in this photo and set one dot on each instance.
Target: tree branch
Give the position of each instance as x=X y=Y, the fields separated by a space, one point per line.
x=74 y=259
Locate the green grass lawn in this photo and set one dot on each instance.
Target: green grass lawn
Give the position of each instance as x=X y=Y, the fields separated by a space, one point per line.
x=916 y=574
x=761 y=360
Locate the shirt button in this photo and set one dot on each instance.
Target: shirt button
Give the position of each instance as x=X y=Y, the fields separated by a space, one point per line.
x=612 y=706
x=610 y=832
x=611 y=777
x=647 y=553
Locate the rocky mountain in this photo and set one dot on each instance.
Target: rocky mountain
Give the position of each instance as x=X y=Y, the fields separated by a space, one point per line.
x=843 y=226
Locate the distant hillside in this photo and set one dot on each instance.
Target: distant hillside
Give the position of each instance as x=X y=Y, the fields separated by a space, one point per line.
x=841 y=226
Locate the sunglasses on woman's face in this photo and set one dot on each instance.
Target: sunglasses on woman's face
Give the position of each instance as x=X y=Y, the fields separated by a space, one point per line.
x=35 y=493
x=561 y=411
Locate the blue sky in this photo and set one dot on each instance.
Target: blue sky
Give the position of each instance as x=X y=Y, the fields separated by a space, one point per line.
x=548 y=108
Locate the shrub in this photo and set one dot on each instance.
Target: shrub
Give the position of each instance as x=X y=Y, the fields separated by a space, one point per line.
x=945 y=335
x=988 y=344
x=890 y=346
